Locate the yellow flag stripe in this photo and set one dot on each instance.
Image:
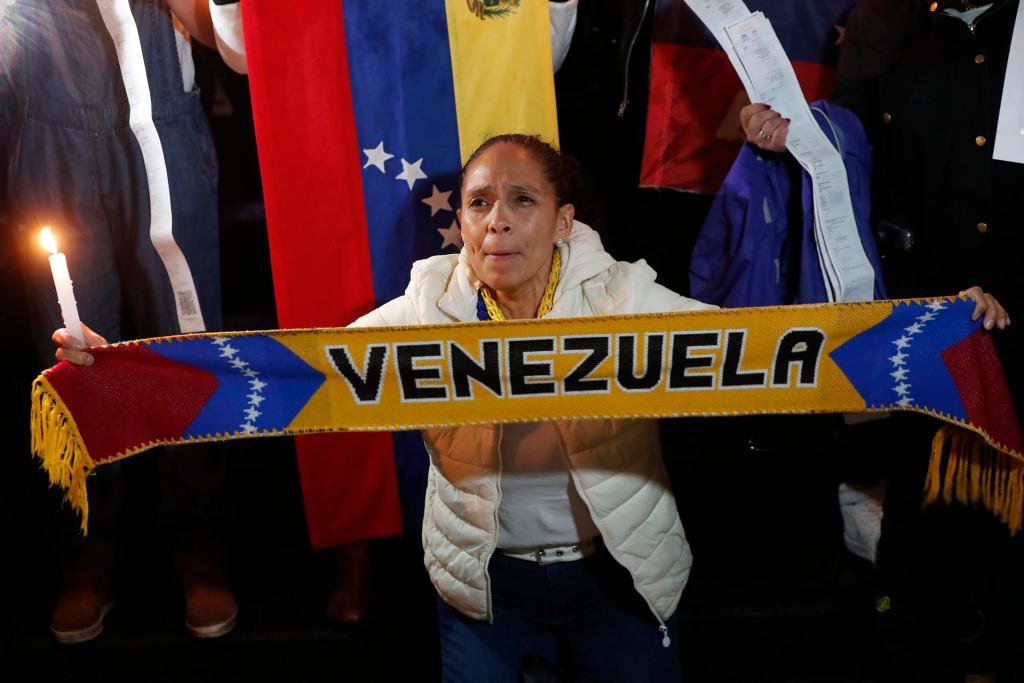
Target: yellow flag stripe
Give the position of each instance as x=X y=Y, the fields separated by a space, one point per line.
x=501 y=71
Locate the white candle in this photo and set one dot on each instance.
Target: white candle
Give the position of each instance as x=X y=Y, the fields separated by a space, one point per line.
x=62 y=281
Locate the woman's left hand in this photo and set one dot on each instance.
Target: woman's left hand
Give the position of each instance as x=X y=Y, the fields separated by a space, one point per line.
x=986 y=305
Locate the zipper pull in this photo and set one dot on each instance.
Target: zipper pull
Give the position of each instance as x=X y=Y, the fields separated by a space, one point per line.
x=665 y=640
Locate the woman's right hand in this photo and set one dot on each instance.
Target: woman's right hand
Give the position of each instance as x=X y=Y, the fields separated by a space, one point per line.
x=764 y=127
x=72 y=350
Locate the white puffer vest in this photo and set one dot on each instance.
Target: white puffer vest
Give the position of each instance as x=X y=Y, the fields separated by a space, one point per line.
x=615 y=464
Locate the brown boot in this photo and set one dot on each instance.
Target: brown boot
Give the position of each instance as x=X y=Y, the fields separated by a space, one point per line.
x=350 y=599
x=83 y=603
x=210 y=607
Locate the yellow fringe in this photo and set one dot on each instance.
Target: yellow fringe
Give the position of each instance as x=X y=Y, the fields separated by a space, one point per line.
x=964 y=467
x=58 y=444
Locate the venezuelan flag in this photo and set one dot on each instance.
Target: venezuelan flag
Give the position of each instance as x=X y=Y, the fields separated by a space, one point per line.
x=365 y=111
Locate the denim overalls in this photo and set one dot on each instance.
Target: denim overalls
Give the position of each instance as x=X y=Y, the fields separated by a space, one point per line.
x=75 y=165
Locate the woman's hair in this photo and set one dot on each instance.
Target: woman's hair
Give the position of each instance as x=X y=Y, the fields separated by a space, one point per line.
x=561 y=170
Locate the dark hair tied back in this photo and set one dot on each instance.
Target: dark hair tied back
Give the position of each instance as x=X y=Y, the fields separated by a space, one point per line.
x=561 y=170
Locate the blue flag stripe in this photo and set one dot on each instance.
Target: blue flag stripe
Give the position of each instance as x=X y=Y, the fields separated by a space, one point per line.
x=404 y=105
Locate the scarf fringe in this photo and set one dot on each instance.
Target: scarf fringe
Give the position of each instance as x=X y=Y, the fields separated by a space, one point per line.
x=965 y=468
x=58 y=444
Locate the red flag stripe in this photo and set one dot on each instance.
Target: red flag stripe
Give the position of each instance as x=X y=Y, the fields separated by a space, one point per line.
x=320 y=254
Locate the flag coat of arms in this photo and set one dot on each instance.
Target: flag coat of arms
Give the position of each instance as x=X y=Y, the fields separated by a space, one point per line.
x=693 y=133
x=365 y=111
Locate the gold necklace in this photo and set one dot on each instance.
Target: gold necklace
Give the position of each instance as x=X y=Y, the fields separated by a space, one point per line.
x=546 y=301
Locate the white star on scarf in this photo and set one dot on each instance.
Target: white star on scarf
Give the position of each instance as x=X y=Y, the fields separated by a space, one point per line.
x=411 y=172
x=438 y=201
x=902 y=343
x=377 y=156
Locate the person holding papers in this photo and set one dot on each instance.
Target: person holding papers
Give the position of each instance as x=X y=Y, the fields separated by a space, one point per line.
x=940 y=88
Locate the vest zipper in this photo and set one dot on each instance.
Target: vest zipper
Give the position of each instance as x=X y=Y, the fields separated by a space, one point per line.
x=497 y=523
x=662 y=628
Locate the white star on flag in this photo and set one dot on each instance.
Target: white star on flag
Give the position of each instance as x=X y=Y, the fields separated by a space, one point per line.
x=249 y=428
x=902 y=343
x=899 y=374
x=257 y=384
x=256 y=399
x=913 y=329
x=438 y=201
x=841 y=30
x=452 y=235
x=898 y=359
x=904 y=402
x=251 y=414
x=238 y=364
x=936 y=305
x=411 y=172
x=227 y=351
x=901 y=388
x=377 y=156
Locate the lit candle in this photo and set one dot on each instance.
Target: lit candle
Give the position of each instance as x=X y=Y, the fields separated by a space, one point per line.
x=62 y=281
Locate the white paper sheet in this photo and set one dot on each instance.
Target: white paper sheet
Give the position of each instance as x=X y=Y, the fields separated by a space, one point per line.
x=117 y=17
x=1009 y=145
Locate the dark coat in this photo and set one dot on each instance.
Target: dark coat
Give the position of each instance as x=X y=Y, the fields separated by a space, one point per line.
x=928 y=88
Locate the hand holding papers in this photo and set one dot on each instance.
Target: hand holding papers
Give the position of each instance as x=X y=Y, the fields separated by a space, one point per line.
x=765 y=71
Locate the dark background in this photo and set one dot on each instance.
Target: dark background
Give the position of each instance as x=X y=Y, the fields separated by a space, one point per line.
x=774 y=595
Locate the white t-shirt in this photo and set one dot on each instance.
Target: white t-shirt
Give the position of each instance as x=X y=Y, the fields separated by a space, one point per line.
x=540 y=506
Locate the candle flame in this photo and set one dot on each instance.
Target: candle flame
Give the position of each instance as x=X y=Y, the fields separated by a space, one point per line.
x=47 y=239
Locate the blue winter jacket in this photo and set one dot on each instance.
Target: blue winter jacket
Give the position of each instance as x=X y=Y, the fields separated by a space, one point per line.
x=756 y=247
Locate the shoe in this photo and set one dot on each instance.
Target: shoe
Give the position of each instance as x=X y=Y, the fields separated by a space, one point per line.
x=861 y=510
x=210 y=607
x=349 y=601
x=82 y=605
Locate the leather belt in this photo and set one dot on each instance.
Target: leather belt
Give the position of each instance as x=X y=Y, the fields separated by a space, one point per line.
x=555 y=554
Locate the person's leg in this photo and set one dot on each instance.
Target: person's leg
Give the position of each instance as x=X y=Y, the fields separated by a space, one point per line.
x=350 y=598
x=55 y=180
x=608 y=631
x=194 y=501
x=920 y=568
x=479 y=652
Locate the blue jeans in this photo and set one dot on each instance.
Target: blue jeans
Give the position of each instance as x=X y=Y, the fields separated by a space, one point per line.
x=585 y=617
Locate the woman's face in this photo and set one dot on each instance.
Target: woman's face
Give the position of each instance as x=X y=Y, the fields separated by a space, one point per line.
x=510 y=219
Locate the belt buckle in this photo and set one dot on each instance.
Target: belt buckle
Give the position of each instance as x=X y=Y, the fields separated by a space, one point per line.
x=546 y=556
